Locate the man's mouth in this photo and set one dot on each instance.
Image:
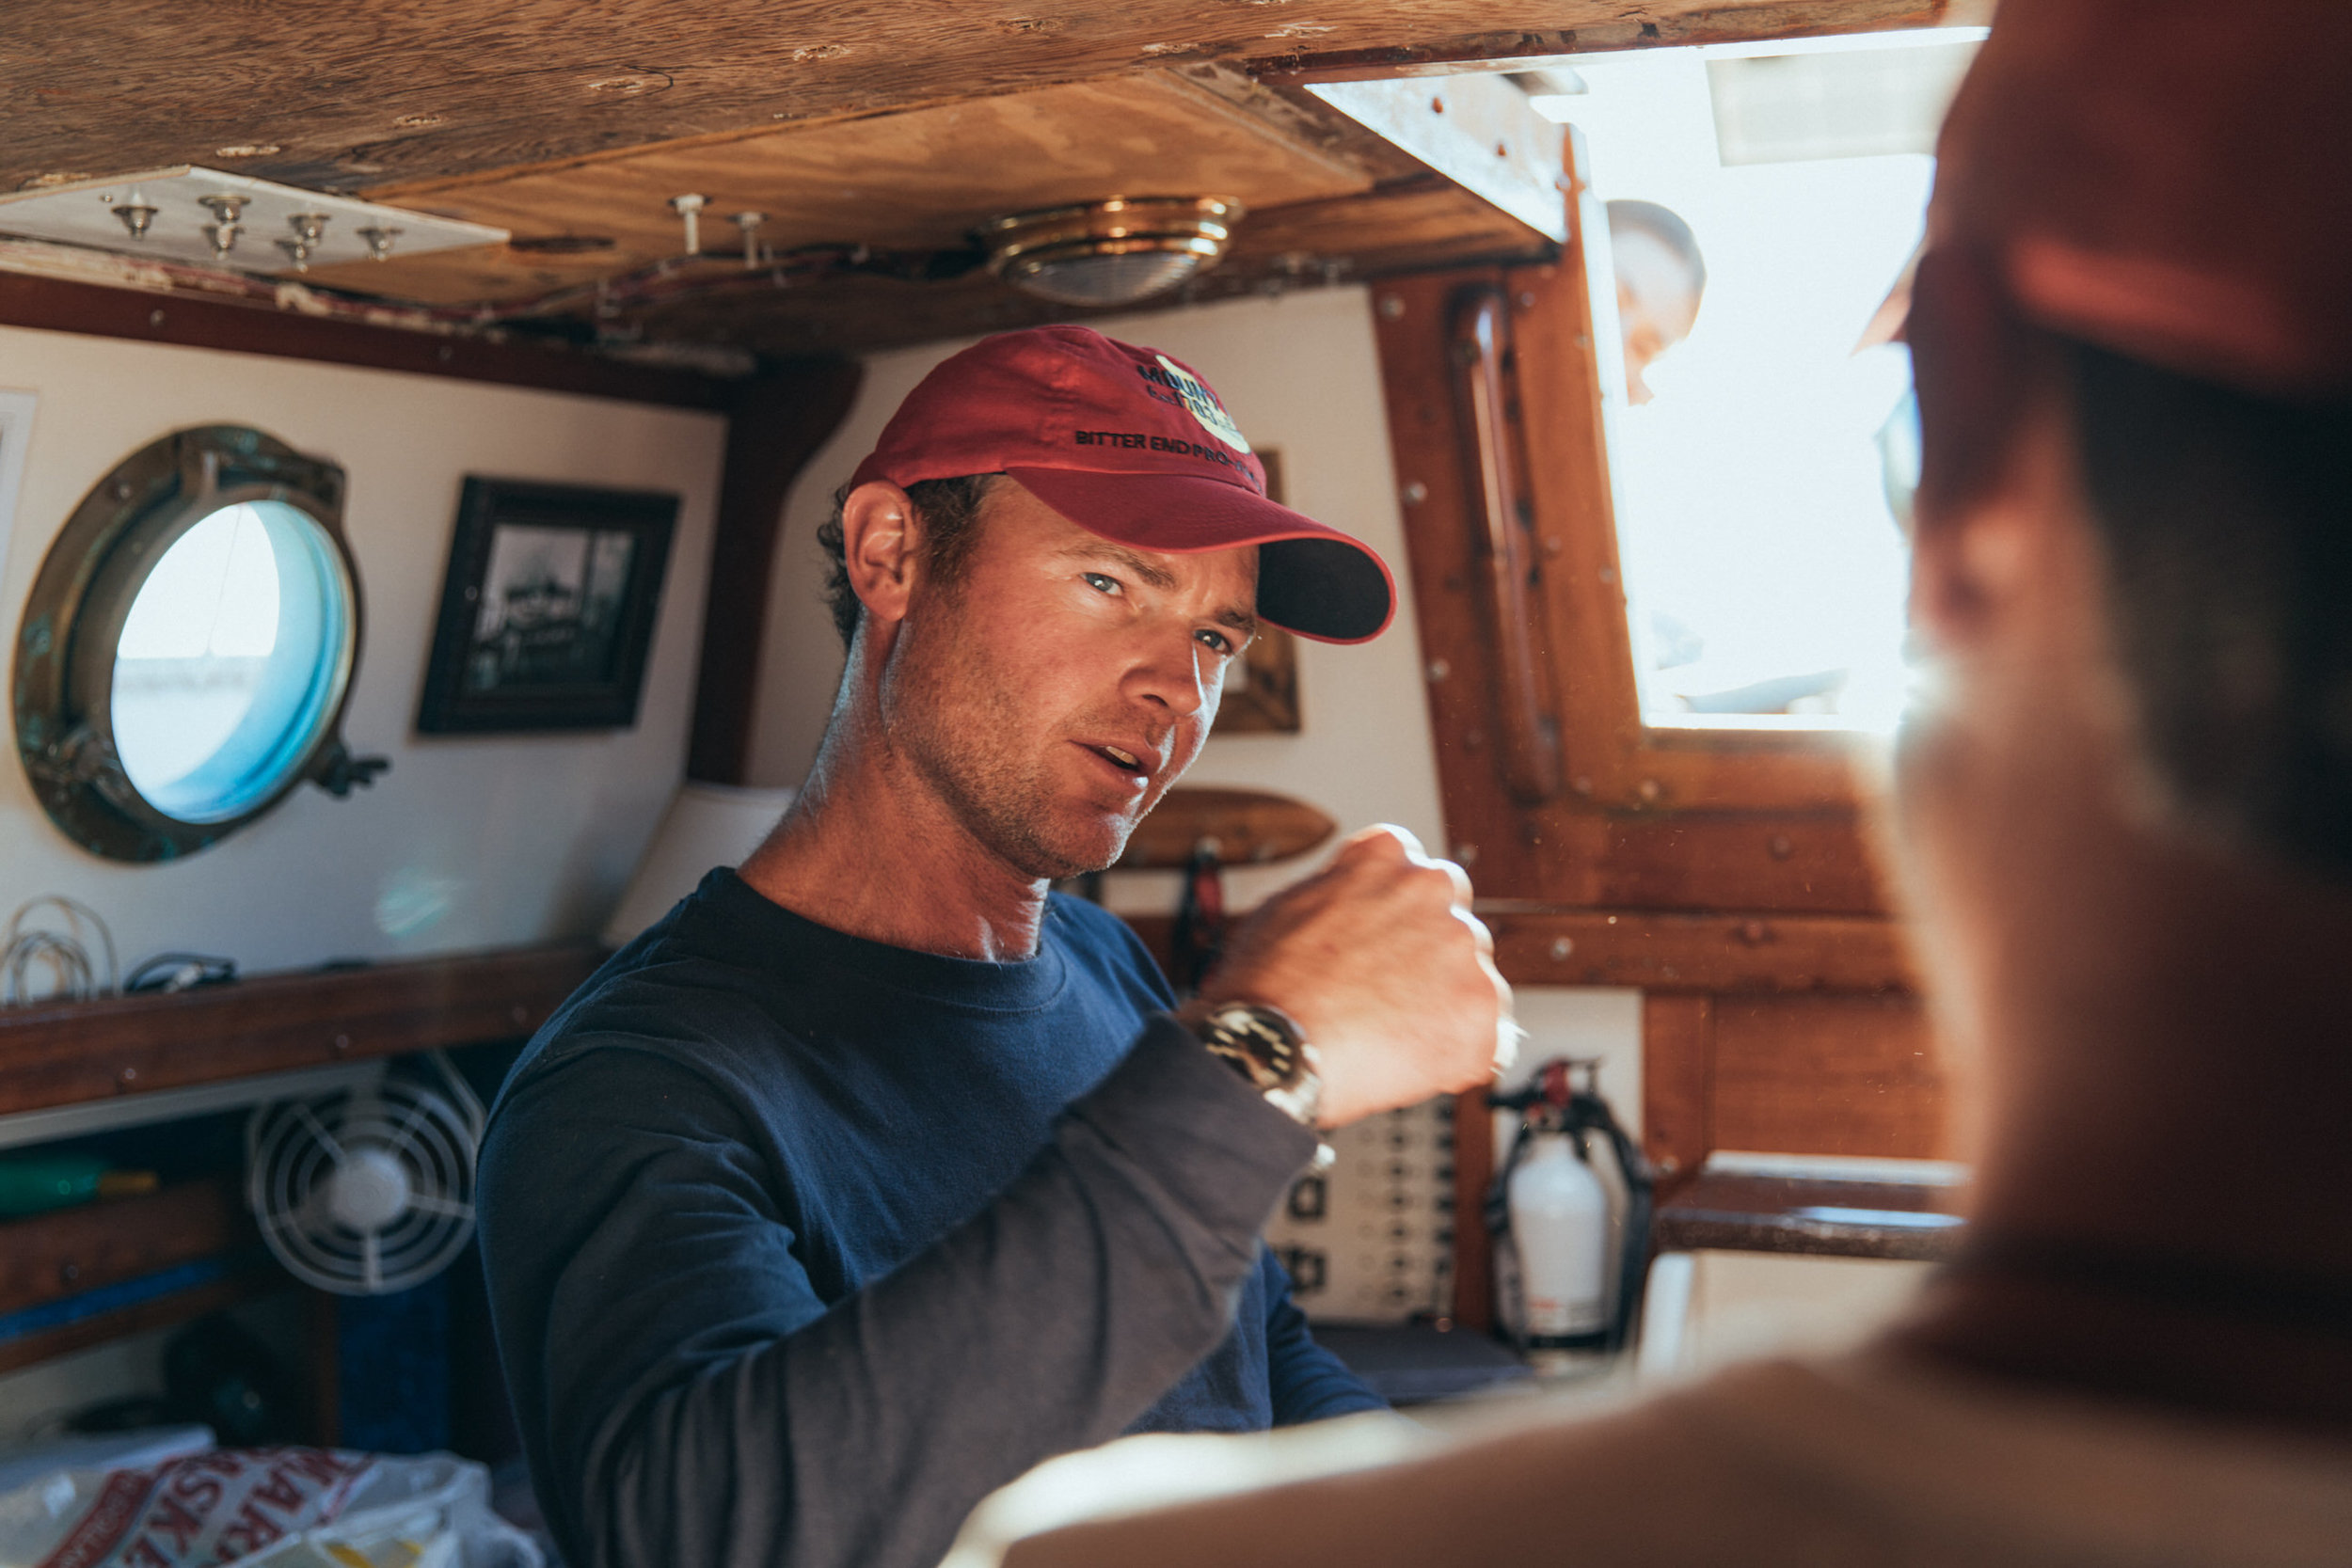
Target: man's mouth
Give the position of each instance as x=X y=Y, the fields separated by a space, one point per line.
x=1126 y=760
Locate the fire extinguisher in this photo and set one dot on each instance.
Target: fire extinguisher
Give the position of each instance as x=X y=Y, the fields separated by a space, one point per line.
x=1557 y=1213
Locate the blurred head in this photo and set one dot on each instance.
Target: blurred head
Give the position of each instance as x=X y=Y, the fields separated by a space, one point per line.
x=1661 y=279
x=2133 y=341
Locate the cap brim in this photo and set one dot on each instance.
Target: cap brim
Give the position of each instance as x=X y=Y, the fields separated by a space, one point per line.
x=1311 y=579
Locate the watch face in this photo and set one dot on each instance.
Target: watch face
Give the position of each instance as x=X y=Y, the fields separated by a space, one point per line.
x=1262 y=1037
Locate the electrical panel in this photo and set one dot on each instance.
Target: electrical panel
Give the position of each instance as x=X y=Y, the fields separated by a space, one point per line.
x=1370 y=1239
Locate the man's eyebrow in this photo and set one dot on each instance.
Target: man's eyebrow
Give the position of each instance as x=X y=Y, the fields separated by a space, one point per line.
x=1241 y=618
x=1150 y=571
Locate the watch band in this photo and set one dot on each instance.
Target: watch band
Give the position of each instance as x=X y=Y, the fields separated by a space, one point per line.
x=1266 y=1047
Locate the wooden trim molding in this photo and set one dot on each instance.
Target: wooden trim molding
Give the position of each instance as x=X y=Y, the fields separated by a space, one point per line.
x=775 y=424
x=1540 y=946
x=189 y=321
x=69 y=1052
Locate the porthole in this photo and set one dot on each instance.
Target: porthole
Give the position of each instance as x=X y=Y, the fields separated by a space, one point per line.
x=188 y=646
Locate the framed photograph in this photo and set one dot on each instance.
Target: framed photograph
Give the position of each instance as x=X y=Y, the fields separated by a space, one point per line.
x=1261 y=695
x=548 y=610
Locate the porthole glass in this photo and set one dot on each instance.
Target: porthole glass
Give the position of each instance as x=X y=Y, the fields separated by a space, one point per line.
x=186 y=655
x=227 y=662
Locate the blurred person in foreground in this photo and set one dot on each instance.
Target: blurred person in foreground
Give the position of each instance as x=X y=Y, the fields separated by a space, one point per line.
x=2123 y=824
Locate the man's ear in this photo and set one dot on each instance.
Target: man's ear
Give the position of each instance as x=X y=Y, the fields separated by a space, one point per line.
x=880 y=548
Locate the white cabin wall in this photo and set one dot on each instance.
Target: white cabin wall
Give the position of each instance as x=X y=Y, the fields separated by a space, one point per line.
x=468 y=842
x=1299 y=372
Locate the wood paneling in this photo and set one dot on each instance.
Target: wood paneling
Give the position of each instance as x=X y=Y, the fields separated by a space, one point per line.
x=1827 y=1075
x=64 y=1053
x=775 y=424
x=1537 y=945
x=919 y=180
x=188 y=320
x=1678 y=1084
x=50 y=1257
x=1473 y=1249
x=1723 y=1211
x=336 y=97
x=1251 y=826
x=161 y=1312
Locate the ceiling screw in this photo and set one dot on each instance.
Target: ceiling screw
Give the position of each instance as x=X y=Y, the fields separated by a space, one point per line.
x=1561 y=948
x=1439 y=668
x=227 y=211
x=749 y=223
x=1390 y=308
x=1415 y=493
x=137 y=215
x=689 y=207
x=1780 y=847
x=379 y=241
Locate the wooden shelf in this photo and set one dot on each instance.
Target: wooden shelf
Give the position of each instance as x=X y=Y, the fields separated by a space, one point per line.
x=198 y=1227
x=71 y=1053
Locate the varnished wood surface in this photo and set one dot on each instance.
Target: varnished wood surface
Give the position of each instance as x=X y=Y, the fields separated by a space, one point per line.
x=1538 y=944
x=1828 y=1075
x=1678 y=1084
x=1828 y=1219
x=1251 y=827
x=161 y=1312
x=336 y=98
x=190 y=321
x=775 y=424
x=920 y=181
x=64 y=1053
x=47 y=1257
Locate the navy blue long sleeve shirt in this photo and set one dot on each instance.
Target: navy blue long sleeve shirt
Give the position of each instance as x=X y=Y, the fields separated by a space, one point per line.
x=799 y=1245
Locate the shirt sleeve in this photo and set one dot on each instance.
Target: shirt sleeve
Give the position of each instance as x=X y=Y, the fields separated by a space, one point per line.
x=690 y=1400
x=1310 y=1383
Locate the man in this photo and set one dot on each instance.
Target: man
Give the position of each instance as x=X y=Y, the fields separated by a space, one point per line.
x=2124 y=824
x=872 y=1175
x=1661 y=276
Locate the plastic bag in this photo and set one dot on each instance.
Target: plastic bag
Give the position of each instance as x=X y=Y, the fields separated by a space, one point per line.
x=263 y=1507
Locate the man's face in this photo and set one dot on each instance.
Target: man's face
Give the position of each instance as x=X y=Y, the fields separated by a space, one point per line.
x=1656 y=305
x=1055 y=691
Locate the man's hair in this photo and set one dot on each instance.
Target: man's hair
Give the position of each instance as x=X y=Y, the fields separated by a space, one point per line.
x=1665 y=226
x=946 y=508
x=2226 y=519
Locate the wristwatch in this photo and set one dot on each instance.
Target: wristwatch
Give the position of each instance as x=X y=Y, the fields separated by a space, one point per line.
x=1265 y=1046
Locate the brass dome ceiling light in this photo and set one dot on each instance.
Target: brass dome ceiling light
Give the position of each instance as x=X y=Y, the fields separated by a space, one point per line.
x=1113 y=252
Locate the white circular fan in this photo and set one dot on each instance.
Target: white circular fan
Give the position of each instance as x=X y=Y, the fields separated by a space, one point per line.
x=371 y=1190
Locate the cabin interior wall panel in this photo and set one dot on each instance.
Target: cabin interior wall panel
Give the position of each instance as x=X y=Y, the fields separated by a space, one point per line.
x=468 y=842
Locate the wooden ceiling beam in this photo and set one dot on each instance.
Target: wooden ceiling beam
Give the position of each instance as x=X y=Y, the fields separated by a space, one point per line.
x=344 y=98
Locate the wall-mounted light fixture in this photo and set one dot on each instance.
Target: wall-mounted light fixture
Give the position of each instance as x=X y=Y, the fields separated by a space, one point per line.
x=1113 y=252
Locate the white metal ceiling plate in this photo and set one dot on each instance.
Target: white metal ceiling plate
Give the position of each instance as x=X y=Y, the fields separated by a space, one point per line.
x=180 y=227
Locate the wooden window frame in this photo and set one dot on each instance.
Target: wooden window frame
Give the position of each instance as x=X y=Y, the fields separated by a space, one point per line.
x=1726 y=873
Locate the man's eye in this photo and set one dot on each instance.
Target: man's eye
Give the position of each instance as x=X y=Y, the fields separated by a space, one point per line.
x=1215 y=640
x=1100 y=583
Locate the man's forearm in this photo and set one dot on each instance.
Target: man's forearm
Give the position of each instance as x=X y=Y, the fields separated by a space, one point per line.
x=1048 y=1321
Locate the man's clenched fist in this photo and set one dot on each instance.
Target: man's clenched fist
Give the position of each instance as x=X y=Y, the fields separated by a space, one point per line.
x=1386 y=970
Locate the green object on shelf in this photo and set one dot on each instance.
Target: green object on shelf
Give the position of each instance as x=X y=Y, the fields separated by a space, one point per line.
x=35 y=1186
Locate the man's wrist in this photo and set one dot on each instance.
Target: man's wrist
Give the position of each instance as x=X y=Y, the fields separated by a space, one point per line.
x=1266 y=1047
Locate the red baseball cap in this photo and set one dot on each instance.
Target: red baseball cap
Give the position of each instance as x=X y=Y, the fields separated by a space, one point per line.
x=1130 y=444
x=2145 y=175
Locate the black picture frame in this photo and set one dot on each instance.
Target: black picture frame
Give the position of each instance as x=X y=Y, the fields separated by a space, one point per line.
x=547 y=609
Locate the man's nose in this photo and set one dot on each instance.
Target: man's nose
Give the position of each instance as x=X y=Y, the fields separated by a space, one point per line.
x=1167 y=674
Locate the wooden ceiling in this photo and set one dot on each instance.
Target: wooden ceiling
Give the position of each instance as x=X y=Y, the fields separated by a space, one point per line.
x=554 y=117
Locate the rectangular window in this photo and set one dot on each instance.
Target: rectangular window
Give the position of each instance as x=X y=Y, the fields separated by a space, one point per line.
x=1763 y=200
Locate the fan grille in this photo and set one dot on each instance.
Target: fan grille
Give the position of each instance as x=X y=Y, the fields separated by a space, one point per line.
x=301 y=1150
